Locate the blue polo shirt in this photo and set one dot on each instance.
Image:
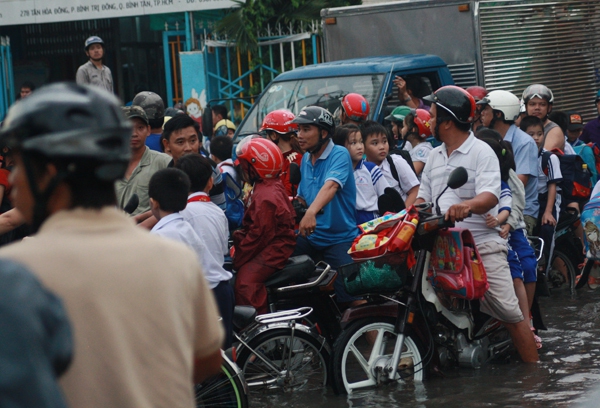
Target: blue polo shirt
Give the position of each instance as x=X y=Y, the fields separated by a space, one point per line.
x=153 y=141
x=526 y=153
x=338 y=222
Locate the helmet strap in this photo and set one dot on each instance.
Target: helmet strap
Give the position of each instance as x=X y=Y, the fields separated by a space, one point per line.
x=40 y=198
x=322 y=141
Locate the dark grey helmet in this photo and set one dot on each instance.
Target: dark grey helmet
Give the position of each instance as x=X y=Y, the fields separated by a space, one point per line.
x=151 y=103
x=71 y=123
x=315 y=115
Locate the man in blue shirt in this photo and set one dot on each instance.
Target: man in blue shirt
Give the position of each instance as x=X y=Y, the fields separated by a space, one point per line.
x=499 y=110
x=327 y=184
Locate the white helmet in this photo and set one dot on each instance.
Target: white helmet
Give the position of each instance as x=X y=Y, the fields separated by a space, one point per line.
x=504 y=102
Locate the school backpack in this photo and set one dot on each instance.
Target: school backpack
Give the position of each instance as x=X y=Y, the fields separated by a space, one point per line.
x=405 y=154
x=590 y=221
x=234 y=206
x=576 y=184
x=595 y=168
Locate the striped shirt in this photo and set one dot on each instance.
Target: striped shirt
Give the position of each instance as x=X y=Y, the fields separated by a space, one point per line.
x=370 y=184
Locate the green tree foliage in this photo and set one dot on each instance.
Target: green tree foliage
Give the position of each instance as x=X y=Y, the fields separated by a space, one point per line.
x=242 y=24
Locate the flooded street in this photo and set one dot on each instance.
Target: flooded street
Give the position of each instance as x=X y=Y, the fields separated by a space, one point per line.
x=568 y=374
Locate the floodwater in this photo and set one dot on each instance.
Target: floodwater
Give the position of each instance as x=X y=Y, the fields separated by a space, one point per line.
x=568 y=374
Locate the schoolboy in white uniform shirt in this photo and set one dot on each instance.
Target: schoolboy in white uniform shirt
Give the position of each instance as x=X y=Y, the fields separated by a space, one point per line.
x=210 y=223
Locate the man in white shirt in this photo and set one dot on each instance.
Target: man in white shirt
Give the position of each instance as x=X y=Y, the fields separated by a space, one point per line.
x=210 y=223
x=452 y=112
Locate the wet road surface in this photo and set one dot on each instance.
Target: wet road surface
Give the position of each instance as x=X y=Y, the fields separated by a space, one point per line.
x=568 y=374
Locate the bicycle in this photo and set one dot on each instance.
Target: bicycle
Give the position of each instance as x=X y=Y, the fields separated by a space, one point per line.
x=277 y=353
x=227 y=389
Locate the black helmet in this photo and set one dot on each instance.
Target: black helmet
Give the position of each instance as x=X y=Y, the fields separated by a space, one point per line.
x=539 y=91
x=151 y=103
x=315 y=115
x=456 y=101
x=71 y=123
x=93 y=40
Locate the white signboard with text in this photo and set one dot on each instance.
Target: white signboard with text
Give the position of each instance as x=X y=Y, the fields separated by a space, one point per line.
x=14 y=12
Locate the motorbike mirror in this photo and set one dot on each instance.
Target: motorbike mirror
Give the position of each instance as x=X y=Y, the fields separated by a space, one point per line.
x=295 y=175
x=457 y=178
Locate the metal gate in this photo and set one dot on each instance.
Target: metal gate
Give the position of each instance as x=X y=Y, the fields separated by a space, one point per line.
x=237 y=77
x=549 y=42
x=234 y=77
x=7 y=87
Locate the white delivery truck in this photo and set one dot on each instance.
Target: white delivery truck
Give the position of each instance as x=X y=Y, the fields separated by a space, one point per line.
x=496 y=44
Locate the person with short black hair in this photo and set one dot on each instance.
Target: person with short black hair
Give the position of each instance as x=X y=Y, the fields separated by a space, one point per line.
x=26 y=89
x=219 y=112
x=377 y=147
x=181 y=135
x=168 y=189
x=221 y=148
x=210 y=223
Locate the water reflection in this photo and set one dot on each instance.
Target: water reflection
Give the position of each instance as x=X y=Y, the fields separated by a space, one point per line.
x=568 y=374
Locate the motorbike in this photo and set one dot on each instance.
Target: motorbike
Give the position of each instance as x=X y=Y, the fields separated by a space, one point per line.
x=402 y=336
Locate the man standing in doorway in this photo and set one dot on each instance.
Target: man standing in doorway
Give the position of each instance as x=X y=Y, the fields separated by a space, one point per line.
x=94 y=72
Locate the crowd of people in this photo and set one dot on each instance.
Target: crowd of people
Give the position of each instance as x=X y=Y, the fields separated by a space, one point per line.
x=122 y=315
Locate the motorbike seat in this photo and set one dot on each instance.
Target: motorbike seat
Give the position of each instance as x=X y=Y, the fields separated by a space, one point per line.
x=297 y=270
x=567 y=218
x=243 y=316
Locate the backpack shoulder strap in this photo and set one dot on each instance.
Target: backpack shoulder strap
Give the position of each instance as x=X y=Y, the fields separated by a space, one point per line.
x=545 y=159
x=393 y=169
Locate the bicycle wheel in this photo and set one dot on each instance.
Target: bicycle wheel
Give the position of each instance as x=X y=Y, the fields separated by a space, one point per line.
x=275 y=360
x=226 y=389
x=562 y=272
x=362 y=351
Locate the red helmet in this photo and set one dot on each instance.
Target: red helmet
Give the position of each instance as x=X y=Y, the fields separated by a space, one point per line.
x=478 y=92
x=279 y=121
x=422 y=118
x=356 y=107
x=262 y=154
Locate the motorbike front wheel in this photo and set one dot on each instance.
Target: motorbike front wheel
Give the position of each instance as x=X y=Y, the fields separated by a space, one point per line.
x=362 y=353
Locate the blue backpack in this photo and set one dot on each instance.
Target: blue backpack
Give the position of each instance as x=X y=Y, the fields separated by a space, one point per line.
x=587 y=154
x=234 y=206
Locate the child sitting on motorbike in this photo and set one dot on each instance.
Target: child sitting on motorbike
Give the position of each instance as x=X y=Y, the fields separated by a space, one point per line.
x=266 y=239
x=370 y=183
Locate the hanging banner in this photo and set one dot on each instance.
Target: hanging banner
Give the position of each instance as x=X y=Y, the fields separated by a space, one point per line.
x=14 y=12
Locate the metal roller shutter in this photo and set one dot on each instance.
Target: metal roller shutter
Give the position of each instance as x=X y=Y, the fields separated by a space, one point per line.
x=556 y=43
